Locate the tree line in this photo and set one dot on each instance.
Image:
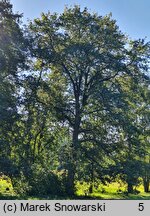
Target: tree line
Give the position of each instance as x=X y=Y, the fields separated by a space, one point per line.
x=74 y=102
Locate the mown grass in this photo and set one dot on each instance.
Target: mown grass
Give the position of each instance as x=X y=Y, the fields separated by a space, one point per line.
x=110 y=191
x=6 y=186
x=113 y=190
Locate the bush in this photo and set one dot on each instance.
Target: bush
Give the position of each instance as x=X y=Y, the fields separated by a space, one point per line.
x=21 y=185
x=45 y=182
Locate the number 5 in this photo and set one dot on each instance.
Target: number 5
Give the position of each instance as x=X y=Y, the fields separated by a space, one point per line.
x=141 y=206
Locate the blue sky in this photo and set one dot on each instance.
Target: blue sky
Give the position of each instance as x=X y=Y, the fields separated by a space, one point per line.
x=132 y=16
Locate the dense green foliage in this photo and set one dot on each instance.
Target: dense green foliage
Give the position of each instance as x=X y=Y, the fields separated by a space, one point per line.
x=12 y=61
x=74 y=103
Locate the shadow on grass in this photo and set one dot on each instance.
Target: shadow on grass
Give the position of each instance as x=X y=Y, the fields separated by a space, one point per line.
x=122 y=196
x=51 y=197
x=141 y=196
x=8 y=197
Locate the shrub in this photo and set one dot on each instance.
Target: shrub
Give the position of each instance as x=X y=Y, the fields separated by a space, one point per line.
x=45 y=182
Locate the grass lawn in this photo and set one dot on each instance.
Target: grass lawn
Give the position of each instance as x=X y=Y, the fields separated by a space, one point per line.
x=113 y=191
x=110 y=191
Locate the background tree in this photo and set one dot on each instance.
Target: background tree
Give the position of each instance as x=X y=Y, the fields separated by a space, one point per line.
x=143 y=123
x=12 y=60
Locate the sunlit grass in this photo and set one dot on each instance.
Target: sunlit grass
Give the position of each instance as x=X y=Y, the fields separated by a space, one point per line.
x=114 y=190
x=6 y=186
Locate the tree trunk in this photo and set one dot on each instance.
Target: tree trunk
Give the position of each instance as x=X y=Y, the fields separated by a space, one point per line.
x=91 y=188
x=74 y=147
x=73 y=159
x=146 y=180
x=146 y=185
x=92 y=179
x=70 y=182
x=130 y=187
